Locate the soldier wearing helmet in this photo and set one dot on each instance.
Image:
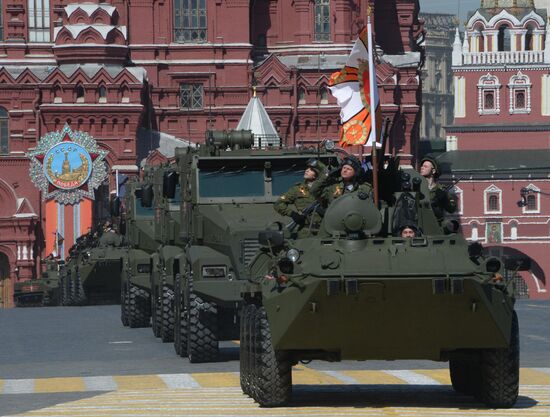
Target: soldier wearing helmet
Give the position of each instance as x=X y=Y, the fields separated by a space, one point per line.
x=347 y=179
x=440 y=197
x=298 y=198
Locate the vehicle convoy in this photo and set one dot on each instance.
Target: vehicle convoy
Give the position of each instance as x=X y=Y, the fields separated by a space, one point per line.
x=40 y=292
x=209 y=211
x=91 y=274
x=359 y=291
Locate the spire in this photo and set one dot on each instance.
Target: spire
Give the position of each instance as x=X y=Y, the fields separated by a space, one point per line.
x=256 y=119
x=457 y=49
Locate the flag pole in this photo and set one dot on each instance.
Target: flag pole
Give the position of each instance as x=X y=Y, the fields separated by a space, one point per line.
x=372 y=95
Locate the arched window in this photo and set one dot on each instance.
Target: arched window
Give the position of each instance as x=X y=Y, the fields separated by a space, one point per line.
x=493 y=200
x=79 y=94
x=489 y=95
x=322 y=20
x=102 y=94
x=324 y=95
x=531 y=203
x=529 y=39
x=475 y=233
x=520 y=94
x=532 y=200
x=493 y=203
x=514 y=230
x=190 y=21
x=4 y=132
x=302 y=96
x=504 y=38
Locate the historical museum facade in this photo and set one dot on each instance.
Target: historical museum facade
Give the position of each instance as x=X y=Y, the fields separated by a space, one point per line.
x=143 y=76
x=498 y=145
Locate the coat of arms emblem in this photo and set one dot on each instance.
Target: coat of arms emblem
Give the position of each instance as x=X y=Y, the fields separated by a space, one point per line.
x=67 y=166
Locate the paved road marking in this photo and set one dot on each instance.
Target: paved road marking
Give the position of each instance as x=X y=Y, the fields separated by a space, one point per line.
x=301 y=375
x=318 y=401
x=59 y=385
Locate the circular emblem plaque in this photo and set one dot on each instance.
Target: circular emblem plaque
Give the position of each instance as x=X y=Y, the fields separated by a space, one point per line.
x=67 y=165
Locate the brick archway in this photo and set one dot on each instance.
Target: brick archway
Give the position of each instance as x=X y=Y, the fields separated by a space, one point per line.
x=5 y=282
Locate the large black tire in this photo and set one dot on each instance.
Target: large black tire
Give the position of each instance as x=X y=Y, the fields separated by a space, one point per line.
x=499 y=368
x=80 y=296
x=245 y=351
x=124 y=304
x=202 y=330
x=180 y=318
x=167 y=328
x=156 y=312
x=272 y=376
x=464 y=375
x=139 y=310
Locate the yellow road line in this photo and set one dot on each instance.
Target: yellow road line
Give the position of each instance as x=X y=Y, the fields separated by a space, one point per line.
x=68 y=384
x=216 y=380
x=139 y=382
x=440 y=375
x=532 y=377
x=307 y=376
x=373 y=377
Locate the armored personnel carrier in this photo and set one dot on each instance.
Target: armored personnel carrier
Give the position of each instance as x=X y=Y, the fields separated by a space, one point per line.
x=40 y=292
x=224 y=192
x=92 y=272
x=360 y=291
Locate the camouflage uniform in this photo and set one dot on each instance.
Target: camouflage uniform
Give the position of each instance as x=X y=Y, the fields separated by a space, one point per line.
x=326 y=191
x=442 y=201
x=297 y=199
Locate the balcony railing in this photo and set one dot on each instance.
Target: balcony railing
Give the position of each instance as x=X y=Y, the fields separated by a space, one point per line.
x=503 y=57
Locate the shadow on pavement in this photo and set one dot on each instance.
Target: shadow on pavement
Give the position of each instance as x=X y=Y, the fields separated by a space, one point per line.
x=22 y=403
x=396 y=396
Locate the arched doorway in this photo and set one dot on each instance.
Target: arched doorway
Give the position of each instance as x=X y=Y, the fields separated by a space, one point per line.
x=4 y=281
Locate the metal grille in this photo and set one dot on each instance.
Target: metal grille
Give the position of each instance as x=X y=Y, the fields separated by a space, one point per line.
x=322 y=20
x=249 y=248
x=39 y=20
x=191 y=96
x=4 y=139
x=522 y=290
x=190 y=21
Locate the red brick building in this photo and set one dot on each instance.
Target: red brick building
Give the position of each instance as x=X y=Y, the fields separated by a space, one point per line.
x=499 y=143
x=137 y=74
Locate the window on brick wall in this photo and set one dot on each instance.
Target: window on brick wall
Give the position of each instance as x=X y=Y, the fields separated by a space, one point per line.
x=191 y=96
x=322 y=20
x=493 y=200
x=489 y=103
x=39 y=20
x=489 y=95
x=190 y=21
x=4 y=132
x=1 y=22
x=520 y=94
x=493 y=203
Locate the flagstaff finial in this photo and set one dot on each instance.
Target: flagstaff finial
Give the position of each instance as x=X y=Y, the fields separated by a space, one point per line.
x=254 y=91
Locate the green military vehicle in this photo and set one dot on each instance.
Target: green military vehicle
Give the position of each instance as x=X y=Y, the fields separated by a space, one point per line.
x=40 y=292
x=360 y=291
x=138 y=223
x=91 y=274
x=226 y=199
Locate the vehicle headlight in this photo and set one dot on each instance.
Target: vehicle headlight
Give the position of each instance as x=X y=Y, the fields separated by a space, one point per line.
x=293 y=255
x=214 y=271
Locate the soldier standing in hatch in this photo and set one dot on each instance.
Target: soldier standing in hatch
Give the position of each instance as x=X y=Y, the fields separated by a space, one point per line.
x=298 y=198
x=343 y=181
x=440 y=197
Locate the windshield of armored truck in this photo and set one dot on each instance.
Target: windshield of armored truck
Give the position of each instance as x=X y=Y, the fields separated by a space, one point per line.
x=231 y=178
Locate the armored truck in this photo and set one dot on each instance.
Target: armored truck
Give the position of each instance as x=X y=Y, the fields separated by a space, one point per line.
x=226 y=195
x=360 y=291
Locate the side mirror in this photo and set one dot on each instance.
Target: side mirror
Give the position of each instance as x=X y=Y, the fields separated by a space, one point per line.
x=451 y=226
x=519 y=263
x=169 y=183
x=115 y=207
x=475 y=250
x=273 y=238
x=147 y=195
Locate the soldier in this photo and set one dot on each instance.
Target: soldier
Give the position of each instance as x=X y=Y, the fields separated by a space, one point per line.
x=440 y=197
x=348 y=179
x=408 y=231
x=298 y=198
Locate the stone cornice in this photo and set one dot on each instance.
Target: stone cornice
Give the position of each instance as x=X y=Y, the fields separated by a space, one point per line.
x=493 y=127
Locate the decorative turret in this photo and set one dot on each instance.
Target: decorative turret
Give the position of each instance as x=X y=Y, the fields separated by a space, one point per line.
x=502 y=4
x=90 y=33
x=457 y=49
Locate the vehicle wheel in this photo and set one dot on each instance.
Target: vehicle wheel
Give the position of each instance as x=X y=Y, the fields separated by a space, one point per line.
x=155 y=312
x=202 y=341
x=272 y=385
x=80 y=296
x=138 y=307
x=464 y=375
x=245 y=351
x=499 y=382
x=180 y=318
x=63 y=295
x=46 y=300
x=167 y=328
x=124 y=304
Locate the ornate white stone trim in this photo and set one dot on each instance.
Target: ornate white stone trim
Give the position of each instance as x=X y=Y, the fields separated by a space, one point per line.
x=517 y=83
x=488 y=83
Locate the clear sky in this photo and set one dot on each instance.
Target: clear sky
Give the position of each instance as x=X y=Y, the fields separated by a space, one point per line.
x=449 y=6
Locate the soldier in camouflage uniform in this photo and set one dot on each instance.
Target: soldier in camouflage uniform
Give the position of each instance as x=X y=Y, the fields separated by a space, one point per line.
x=343 y=181
x=298 y=198
x=442 y=200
